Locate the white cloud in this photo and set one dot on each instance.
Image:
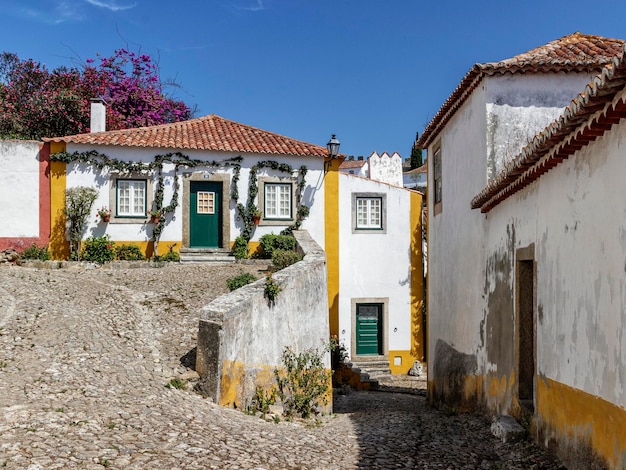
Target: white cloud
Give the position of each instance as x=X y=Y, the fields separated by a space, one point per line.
x=257 y=7
x=110 y=5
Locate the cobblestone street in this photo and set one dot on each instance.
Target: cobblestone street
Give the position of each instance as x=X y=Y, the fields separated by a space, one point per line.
x=85 y=356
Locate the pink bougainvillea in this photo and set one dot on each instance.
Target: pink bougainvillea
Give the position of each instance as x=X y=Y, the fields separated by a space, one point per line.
x=36 y=102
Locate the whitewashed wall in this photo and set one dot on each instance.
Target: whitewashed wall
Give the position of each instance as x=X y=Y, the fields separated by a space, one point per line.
x=386 y=168
x=576 y=216
x=84 y=175
x=455 y=234
x=376 y=265
x=19 y=188
x=519 y=106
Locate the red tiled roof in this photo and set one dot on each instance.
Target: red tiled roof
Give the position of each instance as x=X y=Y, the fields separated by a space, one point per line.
x=206 y=133
x=419 y=169
x=580 y=123
x=352 y=164
x=576 y=52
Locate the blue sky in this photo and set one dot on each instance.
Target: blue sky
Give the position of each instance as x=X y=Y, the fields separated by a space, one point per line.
x=373 y=72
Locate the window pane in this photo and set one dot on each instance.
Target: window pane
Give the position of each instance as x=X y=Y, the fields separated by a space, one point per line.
x=278 y=200
x=131 y=197
x=270 y=200
x=369 y=212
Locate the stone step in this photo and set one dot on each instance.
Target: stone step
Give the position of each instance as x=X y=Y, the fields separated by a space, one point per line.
x=206 y=255
x=373 y=367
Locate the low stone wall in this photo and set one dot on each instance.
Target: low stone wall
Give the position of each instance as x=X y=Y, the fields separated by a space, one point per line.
x=241 y=336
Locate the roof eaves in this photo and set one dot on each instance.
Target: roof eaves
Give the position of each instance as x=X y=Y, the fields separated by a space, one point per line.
x=573 y=130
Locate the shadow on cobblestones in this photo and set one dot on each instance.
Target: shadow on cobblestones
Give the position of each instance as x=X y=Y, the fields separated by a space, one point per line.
x=400 y=430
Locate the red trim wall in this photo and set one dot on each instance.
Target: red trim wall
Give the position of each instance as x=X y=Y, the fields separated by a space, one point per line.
x=18 y=243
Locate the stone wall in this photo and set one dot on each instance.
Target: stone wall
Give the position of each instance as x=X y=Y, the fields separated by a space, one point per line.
x=241 y=336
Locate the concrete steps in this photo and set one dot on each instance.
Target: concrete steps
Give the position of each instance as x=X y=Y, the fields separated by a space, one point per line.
x=206 y=255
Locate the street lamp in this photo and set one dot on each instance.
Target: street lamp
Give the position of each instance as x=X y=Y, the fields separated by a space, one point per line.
x=333 y=151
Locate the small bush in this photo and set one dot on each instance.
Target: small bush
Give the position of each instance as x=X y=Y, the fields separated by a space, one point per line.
x=240 y=248
x=171 y=256
x=129 y=253
x=303 y=383
x=98 y=249
x=239 y=281
x=283 y=258
x=271 y=242
x=34 y=252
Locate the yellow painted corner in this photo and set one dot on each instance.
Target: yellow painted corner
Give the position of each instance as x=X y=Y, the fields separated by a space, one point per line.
x=331 y=241
x=405 y=359
x=58 y=245
x=576 y=419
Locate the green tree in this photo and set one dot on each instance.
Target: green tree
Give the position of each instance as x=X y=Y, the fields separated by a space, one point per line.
x=416 y=154
x=78 y=203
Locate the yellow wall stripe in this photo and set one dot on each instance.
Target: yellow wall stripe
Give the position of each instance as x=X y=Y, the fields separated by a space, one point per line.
x=331 y=241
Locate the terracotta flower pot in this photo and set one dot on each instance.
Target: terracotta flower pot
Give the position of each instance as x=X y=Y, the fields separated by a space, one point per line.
x=106 y=218
x=256 y=219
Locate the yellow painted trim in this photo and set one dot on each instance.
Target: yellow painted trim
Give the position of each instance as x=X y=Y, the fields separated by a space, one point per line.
x=331 y=242
x=577 y=420
x=58 y=246
x=418 y=331
x=239 y=382
x=407 y=359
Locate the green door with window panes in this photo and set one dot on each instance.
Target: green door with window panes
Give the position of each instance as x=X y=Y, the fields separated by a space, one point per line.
x=205 y=214
x=369 y=328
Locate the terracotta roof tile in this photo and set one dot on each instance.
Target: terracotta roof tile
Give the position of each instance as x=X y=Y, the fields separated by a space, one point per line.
x=352 y=164
x=206 y=133
x=589 y=116
x=576 y=52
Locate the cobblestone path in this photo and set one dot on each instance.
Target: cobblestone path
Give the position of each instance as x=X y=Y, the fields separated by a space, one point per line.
x=85 y=355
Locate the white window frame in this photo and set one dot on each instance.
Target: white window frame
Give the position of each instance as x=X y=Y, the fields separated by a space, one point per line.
x=369 y=226
x=268 y=216
x=142 y=185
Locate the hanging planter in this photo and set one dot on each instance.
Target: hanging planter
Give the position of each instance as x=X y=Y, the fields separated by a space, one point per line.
x=155 y=217
x=104 y=213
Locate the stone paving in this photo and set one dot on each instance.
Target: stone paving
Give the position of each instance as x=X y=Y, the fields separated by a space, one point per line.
x=85 y=356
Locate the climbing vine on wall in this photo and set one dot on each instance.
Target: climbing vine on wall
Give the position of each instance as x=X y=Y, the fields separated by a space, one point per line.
x=102 y=161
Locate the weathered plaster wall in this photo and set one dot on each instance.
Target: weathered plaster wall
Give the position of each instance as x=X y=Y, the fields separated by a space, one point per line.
x=456 y=298
x=519 y=106
x=379 y=265
x=574 y=215
x=386 y=168
x=84 y=175
x=241 y=337
x=19 y=189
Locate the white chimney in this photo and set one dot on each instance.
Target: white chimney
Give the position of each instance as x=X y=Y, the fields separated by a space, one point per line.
x=98 y=115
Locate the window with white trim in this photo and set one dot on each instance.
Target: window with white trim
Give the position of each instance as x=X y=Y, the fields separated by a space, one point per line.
x=369 y=213
x=131 y=198
x=277 y=200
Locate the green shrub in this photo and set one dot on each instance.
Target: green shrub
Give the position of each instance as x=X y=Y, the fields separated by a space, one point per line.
x=271 y=242
x=240 y=248
x=283 y=258
x=35 y=252
x=239 y=281
x=98 y=249
x=129 y=253
x=171 y=256
x=303 y=384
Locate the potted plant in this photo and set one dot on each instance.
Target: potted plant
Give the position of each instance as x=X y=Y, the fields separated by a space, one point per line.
x=104 y=213
x=256 y=215
x=155 y=216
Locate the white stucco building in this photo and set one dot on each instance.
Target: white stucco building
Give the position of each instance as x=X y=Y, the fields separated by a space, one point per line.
x=525 y=282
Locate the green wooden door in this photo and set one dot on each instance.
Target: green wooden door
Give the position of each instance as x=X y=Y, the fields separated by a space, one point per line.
x=369 y=323
x=205 y=214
